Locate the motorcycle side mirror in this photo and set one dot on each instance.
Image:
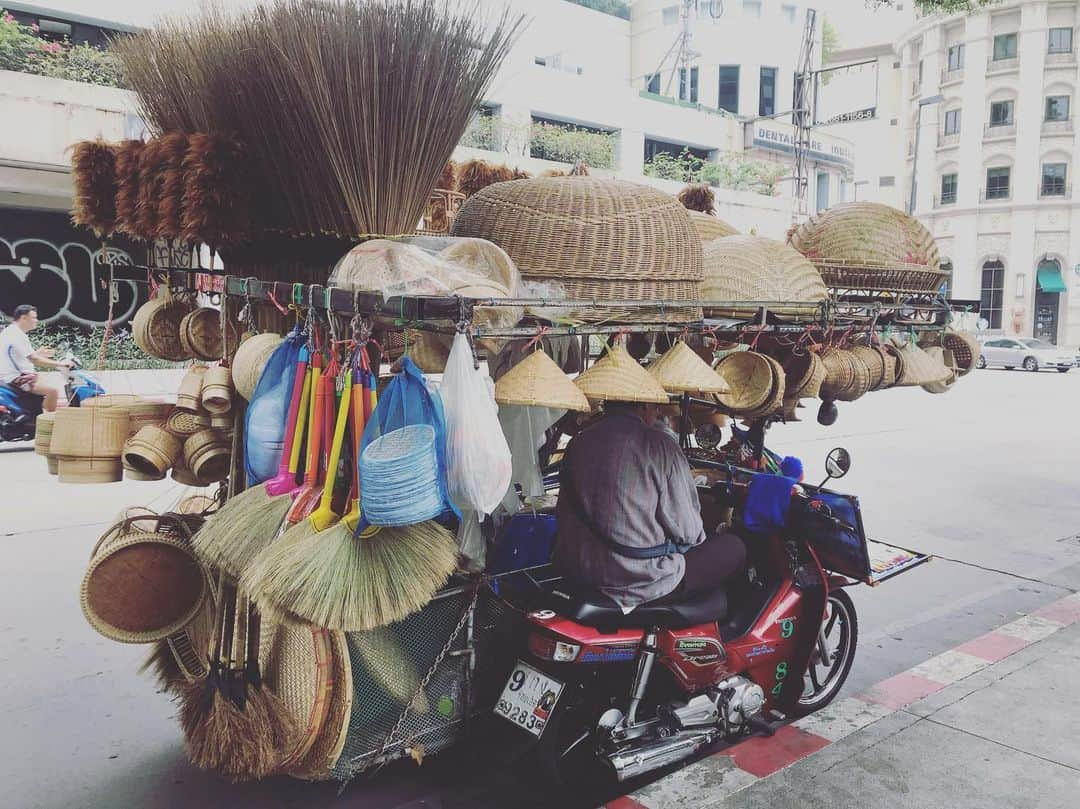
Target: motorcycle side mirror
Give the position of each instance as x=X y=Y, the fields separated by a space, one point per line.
x=837 y=463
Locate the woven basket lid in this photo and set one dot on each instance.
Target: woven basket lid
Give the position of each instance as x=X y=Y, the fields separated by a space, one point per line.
x=872 y=237
x=752 y=379
x=617 y=377
x=251 y=357
x=681 y=370
x=753 y=268
x=588 y=228
x=537 y=381
x=710 y=227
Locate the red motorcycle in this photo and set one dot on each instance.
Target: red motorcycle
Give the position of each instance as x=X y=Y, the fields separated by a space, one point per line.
x=631 y=693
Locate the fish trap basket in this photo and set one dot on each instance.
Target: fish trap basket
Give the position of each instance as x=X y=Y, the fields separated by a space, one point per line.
x=869 y=246
x=599 y=239
x=388 y=666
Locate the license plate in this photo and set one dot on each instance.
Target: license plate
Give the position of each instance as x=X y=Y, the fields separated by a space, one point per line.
x=528 y=698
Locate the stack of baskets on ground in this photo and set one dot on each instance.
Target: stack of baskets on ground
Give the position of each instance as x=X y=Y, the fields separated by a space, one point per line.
x=112 y=437
x=594 y=239
x=867 y=246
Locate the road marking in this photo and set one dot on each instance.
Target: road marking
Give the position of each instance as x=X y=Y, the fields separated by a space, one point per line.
x=842 y=718
x=994 y=646
x=1031 y=628
x=950 y=667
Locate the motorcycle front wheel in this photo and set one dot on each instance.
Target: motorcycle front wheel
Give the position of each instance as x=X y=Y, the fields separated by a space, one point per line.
x=833 y=655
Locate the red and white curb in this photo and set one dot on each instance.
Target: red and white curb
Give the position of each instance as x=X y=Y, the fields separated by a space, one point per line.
x=726 y=772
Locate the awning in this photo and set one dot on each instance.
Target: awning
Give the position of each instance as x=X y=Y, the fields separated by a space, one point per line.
x=1050 y=279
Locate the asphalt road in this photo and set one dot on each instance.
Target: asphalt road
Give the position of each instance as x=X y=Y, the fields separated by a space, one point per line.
x=985 y=478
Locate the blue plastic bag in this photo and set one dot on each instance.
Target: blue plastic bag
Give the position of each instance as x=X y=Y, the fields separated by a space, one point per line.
x=408 y=400
x=268 y=410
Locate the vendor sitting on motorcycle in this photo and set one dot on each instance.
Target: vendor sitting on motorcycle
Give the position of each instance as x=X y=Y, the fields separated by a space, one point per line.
x=629 y=516
x=19 y=360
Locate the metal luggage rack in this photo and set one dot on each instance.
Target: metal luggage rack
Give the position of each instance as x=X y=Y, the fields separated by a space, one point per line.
x=923 y=311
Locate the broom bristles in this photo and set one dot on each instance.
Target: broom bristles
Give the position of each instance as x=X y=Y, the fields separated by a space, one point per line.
x=93 y=166
x=246 y=524
x=242 y=744
x=335 y=580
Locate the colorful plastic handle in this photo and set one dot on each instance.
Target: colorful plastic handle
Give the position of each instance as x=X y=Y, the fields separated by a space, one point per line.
x=323 y=517
x=285 y=481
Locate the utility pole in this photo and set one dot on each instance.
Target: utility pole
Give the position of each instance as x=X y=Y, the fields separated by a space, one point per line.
x=802 y=118
x=684 y=56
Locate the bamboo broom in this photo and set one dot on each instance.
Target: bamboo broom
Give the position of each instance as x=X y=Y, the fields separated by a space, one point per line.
x=246 y=523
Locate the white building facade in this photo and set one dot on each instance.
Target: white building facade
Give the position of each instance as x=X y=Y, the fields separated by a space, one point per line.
x=983 y=105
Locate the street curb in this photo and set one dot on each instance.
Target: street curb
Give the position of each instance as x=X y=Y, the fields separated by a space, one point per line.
x=736 y=767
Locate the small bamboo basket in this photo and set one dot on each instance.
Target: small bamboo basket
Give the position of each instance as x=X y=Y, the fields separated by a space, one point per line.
x=151 y=452
x=189 y=397
x=217 y=390
x=207 y=455
x=88 y=441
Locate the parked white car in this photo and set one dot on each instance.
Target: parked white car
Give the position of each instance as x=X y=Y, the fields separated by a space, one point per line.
x=1025 y=352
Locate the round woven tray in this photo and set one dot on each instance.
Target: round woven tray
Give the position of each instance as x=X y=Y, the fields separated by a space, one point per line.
x=156 y=328
x=200 y=334
x=603 y=239
x=865 y=245
x=326 y=749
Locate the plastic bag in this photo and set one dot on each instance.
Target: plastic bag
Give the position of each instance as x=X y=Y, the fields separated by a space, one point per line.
x=408 y=401
x=478 y=458
x=525 y=429
x=264 y=423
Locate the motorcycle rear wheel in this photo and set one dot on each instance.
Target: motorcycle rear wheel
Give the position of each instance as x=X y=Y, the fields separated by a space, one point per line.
x=829 y=669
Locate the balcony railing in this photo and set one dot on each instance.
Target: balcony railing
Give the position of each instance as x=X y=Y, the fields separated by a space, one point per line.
x=951 y=76
x=944 y=200
x=995 y=195
x=1055 y=190
x=947 y=141
x=1002 y=65
x=1058 y=127
x=1061 y=59
x=995 y=131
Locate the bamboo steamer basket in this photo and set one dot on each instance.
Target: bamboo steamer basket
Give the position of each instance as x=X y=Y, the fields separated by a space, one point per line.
x=753 y=268
x=156 y=327
x=251 y=357
x=152 y=451
x=146 y=413
x=125 y=400
x=597 y=238
x=183 y=423
x=710 y=227
x=89 y=432
x=189 y=397
x=43 y=429
x=869 y=246
x=207 y=455
x=142 y=586
x=200 y=334
x=131 y=473
x=89 y=470
x=222 y=422
x=183 y=475
x=217 y=390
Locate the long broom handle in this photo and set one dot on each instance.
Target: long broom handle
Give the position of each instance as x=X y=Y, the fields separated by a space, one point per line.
x=324 y=515
x=285 y=481
x=299 y=384
x=311 y=473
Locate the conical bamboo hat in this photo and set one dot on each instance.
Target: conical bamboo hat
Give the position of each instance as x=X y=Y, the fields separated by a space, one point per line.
x=681 y=370
x=537 y=381
x=617 y=377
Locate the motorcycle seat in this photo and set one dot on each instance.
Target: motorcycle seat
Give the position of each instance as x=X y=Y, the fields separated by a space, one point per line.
x=600 y=612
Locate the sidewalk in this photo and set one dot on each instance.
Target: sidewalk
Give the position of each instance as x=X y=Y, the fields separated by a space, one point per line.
x=989 y=724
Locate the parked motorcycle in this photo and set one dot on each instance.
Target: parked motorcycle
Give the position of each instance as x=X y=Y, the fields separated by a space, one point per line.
x=600 y=691
x=19 y=410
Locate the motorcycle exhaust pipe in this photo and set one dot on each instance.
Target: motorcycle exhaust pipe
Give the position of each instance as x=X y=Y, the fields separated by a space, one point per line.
x=632 y=763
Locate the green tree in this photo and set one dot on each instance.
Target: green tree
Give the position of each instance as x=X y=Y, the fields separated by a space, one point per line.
x=942 y=6
x=616 y=8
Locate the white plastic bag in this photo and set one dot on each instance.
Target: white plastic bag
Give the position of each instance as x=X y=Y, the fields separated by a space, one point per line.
x=477 y=455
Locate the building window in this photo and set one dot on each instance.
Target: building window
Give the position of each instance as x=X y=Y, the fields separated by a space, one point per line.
x=997 y=183
x=948 y=188
x=887 y=182
x=822 y=191
x=921 y=64
x=729 y=88
x=946 y=285
x=1053 y=179
x=752 y=7
x=956 y=58
x=540 y=60
x=767 y=92
x=1060 y=40
x=789 y=13
x=1004 y=47
x=670 y=15
x=688 y=91
x=652 y=83
x=1057 y=108
x=952 y=122
x=1001 y=113
x=993 y=285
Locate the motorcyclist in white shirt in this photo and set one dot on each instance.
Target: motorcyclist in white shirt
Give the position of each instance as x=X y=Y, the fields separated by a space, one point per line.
x=19 y=360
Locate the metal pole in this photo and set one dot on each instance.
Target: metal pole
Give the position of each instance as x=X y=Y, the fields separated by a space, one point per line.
x=915 y=159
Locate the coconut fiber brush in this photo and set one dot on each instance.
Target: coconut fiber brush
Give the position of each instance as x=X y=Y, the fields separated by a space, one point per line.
x=247 y=522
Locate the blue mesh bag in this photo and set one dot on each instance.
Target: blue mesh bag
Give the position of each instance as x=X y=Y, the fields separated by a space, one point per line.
x=268 y=410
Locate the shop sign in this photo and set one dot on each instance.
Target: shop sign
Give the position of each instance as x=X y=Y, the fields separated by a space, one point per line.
x=773 y=137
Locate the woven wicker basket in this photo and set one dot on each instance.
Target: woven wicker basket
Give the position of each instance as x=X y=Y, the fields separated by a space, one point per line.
x=200 y=334
x=207 y=455
x=141 y=586
x=89 y=432
x=965 y=348
x=710 y=227
x=918 y=368
x=43 y=428
x=839 y=372
x=217 y=390
x=860 y=381
x=868 y=246
x=602 y=239
x=88 y=470
x=183 y=475
x=156 y=327
x=251 y=357
x=803 y=374
x=874 y=361
x=189 y=396
x=125 y=400
x=145 y=413
x=752 y=268
x=752 y=379
x=151 y=452
x=948 y=361
x=330 y=741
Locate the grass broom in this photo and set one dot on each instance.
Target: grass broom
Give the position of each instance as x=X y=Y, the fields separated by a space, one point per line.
x=244 y=525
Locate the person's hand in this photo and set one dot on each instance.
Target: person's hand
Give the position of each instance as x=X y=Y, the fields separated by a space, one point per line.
x=45 y=351
x=68 y=364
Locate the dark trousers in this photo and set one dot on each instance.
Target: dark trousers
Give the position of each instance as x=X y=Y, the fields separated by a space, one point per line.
x=709 y=565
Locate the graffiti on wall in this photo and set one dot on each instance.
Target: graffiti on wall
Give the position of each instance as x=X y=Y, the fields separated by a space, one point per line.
x=46 y=262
